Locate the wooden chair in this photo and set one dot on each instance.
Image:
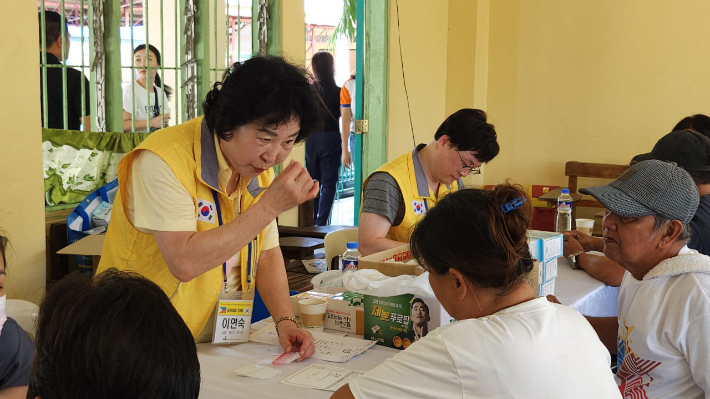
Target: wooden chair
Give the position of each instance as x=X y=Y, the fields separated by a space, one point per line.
x=574 y=170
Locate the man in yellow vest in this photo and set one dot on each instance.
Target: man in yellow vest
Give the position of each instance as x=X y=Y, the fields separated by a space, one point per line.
x=400 y=192
x=197 y=202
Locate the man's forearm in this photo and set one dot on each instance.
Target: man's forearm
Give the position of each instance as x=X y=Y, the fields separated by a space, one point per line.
x=378 y=245
x=345 y=119
x=602 y=268
x=272 y=283
x=345 y=138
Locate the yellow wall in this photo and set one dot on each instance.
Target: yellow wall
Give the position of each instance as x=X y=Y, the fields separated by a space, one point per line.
x=22 y=197
x=460 y=57
x=423 y=29
x=591 y=81
x=293 y=45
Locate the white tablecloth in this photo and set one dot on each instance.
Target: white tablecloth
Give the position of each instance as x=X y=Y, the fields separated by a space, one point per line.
x=219 y=362
x=583 y=292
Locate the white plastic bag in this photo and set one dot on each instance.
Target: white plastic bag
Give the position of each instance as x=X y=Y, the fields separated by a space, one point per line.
x=372 y=282
x=331 y=278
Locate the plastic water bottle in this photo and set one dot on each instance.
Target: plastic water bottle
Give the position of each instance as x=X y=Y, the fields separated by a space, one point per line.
x=351 y=256
x=564 y=211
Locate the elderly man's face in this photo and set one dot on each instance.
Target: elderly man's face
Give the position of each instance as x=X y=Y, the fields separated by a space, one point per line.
x=631 y=242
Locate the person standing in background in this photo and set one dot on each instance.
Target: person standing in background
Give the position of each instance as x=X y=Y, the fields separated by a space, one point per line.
x=57 y=38
x=323 y=149
x=146 y=105
x=347 y=124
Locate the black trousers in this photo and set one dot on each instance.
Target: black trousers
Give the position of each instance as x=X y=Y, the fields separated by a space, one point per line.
x=323 y=153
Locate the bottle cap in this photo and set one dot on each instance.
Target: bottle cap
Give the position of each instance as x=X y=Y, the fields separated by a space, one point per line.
x=565 y=191
x=352 y=245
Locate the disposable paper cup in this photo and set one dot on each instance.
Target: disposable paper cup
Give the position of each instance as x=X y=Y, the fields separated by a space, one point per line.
x=313 y=313
x=585 y=226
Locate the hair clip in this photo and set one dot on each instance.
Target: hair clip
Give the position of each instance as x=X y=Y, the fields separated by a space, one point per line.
x=513 y=204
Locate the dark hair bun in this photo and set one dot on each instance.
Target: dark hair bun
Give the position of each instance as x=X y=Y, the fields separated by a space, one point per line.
x=469 y=231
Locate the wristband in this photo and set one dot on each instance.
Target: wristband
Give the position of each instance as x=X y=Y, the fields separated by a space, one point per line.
x=283 y=319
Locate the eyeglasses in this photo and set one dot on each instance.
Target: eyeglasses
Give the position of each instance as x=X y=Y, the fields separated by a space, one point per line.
x=468 y=170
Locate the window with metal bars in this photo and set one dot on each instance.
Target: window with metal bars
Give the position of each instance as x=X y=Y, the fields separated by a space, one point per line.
x=65 y=94
x=166 y=25
x=99 y=72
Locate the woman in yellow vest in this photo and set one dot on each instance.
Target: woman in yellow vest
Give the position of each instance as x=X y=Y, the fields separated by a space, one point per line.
x=193 y=212
x=400 y=192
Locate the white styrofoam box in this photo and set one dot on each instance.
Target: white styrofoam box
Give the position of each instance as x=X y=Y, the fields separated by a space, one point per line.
x=547 y=288
x=544 y=245
x=549 y=271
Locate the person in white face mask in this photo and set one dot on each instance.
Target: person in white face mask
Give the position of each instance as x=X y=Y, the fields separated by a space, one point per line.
x=16 y=347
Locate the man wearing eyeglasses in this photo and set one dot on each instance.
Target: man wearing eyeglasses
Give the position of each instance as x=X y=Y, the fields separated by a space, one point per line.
x=400 y=192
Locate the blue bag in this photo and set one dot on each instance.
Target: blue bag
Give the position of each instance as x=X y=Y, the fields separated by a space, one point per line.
x=79 y=221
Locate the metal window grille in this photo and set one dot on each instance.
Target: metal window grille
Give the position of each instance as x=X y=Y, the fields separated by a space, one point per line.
x=74 y=21
x=176 y=38
x=139 y=19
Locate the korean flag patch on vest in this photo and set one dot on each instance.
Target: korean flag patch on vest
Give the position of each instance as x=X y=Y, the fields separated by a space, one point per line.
x=205 y=211
x=419 y=207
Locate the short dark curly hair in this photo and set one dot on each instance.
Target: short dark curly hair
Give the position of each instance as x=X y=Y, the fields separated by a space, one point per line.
x=114 y=336
x=267 y=90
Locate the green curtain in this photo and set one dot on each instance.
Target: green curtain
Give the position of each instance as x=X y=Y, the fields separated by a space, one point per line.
x=77 y=163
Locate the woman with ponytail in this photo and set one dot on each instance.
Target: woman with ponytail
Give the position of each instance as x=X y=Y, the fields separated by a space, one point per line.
x=151 y=96
x=506 y=343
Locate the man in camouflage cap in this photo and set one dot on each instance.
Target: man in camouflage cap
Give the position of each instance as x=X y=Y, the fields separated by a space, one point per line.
x=662 y=328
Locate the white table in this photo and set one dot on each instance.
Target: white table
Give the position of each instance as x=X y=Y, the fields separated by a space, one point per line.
x=219 y=362
x=580 y=291
x=575 y=288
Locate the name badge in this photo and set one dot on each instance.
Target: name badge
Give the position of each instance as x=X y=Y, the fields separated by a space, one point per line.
x=233 y=317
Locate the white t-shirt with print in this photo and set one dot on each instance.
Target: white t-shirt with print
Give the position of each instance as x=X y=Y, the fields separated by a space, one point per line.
x=142 y=105
x=664 y=336
x=534 y=350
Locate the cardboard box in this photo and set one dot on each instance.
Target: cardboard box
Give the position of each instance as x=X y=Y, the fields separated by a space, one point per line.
x=340 y=314
x=89 y=246
x=392 y=262
x=544 y=245
x=389 y=320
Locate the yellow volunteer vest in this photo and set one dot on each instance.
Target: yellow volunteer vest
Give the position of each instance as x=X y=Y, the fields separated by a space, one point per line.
x=418 y=198
x=189 y=150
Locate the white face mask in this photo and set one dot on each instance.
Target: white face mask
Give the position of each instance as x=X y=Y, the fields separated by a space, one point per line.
x=3 y=316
